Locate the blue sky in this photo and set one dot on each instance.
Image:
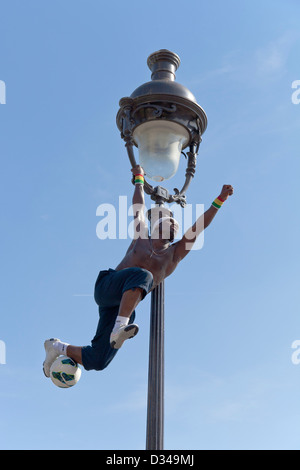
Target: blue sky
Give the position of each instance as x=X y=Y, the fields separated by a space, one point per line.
x=232 y=308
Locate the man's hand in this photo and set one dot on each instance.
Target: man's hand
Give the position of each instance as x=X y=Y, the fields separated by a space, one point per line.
x=138 y=170
x=227 y=191
x=184 y=245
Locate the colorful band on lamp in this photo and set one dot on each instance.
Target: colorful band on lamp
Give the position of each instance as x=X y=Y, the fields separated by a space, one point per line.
x=218 y=202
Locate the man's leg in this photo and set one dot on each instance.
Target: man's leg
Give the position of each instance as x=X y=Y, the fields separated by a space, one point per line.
x=121 y=330
x=135 y=283
x=130 y=300
x=75 y=353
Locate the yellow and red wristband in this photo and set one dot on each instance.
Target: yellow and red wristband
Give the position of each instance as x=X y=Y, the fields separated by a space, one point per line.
x=218 y=202
x=139 y=179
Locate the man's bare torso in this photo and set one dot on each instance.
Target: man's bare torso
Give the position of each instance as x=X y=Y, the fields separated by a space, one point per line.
x=141 y=255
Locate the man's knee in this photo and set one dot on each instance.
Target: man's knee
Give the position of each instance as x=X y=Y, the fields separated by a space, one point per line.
x=99 y=365
x=138 y=278
x=147 y=277
x=148 y=280
x=96 y=360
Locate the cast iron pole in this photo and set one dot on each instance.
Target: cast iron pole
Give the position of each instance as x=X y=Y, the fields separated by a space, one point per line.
x=155 y=412
x=155 y=407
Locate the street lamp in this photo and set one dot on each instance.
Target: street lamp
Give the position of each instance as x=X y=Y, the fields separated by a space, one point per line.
x=161 y=118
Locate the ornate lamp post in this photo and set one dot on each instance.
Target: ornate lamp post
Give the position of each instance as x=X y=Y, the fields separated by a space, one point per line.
x=161 y=118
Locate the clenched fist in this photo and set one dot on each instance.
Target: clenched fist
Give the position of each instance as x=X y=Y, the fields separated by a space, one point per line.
x=138 y=170
x=227 y=191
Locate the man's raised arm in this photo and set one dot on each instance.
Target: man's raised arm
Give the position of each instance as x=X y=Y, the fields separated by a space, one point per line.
x=184 y=246
x=138 y=203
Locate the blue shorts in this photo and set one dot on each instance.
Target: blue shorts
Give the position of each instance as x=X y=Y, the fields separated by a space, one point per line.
x=109 y=289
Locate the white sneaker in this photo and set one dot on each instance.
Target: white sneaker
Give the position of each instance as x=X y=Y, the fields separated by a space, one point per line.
x=51 y=355
x=123 y=333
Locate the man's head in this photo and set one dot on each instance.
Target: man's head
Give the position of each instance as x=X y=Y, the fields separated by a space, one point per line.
x=165 y=228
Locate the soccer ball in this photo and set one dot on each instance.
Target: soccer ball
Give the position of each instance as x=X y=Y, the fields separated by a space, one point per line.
x=65 y=372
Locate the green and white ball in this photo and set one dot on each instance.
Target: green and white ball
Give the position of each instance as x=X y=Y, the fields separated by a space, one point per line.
x=65 y=372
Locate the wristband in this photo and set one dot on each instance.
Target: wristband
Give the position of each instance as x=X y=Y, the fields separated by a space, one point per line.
x=218 y=202
x=139 y=179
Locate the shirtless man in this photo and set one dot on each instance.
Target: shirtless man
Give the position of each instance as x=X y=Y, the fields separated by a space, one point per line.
x=148 y=261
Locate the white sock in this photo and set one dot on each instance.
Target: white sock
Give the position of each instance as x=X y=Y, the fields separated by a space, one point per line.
x=60 y=347
x=120 y=321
